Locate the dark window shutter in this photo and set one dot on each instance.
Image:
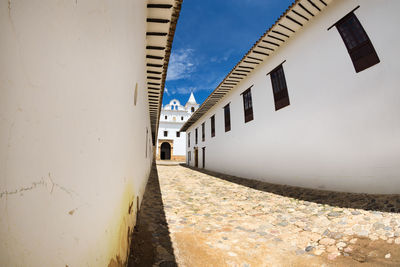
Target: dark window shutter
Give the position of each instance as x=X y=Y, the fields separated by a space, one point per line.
x=279 y=88
x=227 y=115
x=213 y=126
x=248 y=105
x=357 y=42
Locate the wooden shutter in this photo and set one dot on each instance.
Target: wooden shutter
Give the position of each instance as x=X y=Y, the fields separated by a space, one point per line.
x=227 y=115
x=213 y=126
x=357 y=42
x=247 y=105
x=279 y=88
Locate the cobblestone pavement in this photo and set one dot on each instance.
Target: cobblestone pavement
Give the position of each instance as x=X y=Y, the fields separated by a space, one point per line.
x=221 y=220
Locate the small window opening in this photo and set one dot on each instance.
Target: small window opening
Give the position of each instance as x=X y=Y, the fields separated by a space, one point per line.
x=248 y=105
x=213 y=126
x=203 y=135
x=227 y=116
x=279 y=88
x=357 y=42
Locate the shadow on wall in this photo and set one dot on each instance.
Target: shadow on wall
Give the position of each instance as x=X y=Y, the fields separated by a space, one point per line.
x=385 y=203
x=151 y=242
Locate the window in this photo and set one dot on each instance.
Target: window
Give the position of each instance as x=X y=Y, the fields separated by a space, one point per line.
x=188 y=139
x=178 y=134
x=248 y=105
x=189 y=156
x=203 y=134
x=204 y=156
x=359 y=46
x=174 y=102
x=165 y=133
x=279 y=88
x=213 y=126
x=182 y=118
x=165 y=117
x=192 y=109
x=195 y=136
x=172 y=107
x=227 y=115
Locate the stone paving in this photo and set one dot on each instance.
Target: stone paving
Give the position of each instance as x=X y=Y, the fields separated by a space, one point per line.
x=221 y=220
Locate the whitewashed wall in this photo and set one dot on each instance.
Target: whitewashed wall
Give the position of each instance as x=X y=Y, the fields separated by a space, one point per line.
x=342 y=128
x=172 y=128
x=72 y=142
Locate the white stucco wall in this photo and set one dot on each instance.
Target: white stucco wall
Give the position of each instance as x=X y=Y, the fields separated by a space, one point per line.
x=179 y=142
x=172 y=120
x=341 y=130
x=72 y=142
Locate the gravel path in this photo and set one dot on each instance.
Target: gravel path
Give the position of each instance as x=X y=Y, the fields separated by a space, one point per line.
x=221 y=220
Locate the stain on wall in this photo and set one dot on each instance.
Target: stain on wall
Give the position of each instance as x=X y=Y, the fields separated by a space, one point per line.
x=121 y=240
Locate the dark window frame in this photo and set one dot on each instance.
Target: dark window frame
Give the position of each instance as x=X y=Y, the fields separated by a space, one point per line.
x=360 y=48
x=165 y=133
x=203 y=131
x=188 y=139
x=165 y=117
x=212 y=125
x=196 y=135
x=203 y=152
x=178 y=134
x=247 y=105
x=279 y=87
x=227 y=117
x=181 y=118
x=192 y=109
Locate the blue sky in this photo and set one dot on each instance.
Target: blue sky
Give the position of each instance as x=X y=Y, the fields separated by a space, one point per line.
x=211 y=37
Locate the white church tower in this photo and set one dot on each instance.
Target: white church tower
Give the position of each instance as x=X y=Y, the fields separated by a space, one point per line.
x=171 y=144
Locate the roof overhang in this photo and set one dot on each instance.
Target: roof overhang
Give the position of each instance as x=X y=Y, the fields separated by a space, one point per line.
x=291 y=21
x=162 y=16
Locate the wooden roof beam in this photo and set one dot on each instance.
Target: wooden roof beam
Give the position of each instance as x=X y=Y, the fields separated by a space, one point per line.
x=155 y=20
x=166 y=6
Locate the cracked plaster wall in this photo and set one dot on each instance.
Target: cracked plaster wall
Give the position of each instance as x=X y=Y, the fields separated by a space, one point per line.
x=72 y=142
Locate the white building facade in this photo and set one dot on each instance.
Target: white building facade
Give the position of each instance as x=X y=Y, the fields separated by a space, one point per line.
x=81 y=84
x=171 y=143
x=314 y=103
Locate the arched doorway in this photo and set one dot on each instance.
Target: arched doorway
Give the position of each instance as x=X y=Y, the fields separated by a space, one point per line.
x=165 y=151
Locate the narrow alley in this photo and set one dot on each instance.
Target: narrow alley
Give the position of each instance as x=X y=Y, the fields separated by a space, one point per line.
x=191 y=217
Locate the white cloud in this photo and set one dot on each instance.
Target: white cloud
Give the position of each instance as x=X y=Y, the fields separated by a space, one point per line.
x=166 y=91
x=181 y=64
x=186 y=90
